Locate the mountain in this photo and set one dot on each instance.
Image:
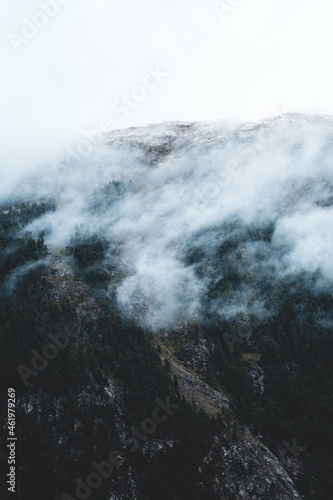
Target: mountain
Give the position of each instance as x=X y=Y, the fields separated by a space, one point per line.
x=196 y=262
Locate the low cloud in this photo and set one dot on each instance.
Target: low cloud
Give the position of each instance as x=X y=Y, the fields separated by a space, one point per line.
x=177 y=201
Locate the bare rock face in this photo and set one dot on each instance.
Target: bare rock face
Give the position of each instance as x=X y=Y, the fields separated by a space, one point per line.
x=240 y=466
x=245 y=469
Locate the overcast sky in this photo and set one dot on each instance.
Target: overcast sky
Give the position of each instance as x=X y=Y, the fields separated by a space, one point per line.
x=245 y=60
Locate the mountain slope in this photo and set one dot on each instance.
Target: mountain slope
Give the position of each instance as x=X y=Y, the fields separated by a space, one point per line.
x=196 y=259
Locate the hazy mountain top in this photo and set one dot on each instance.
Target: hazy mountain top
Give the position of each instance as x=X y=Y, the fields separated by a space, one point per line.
x=179 y=133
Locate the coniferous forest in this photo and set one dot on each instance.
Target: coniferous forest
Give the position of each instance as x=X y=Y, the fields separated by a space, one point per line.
x=77 y=402
x=166 y=250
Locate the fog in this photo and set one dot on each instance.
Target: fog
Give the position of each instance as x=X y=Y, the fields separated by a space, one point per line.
x=64 y=72
x=169 y=197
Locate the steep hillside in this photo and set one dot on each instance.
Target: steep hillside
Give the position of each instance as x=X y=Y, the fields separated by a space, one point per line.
x=183 y=268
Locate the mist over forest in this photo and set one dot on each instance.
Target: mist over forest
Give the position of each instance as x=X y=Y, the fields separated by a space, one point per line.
x=172 y=200
x=196 y=261
x=166 y=250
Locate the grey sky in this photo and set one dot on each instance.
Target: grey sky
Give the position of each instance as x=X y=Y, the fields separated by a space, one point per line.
x=260 y=58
